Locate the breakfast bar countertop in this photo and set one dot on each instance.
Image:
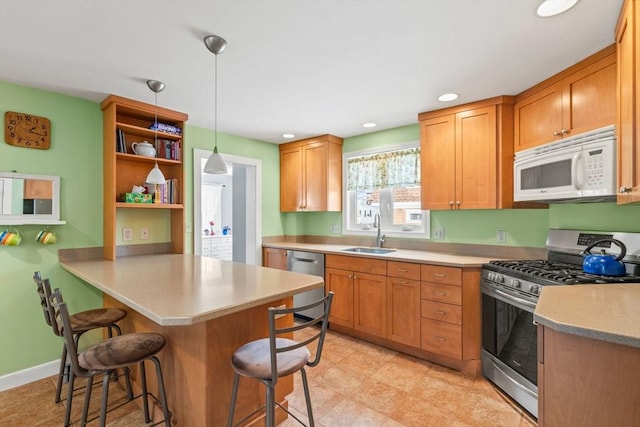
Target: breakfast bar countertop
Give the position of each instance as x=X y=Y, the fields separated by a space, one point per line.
x=184 y=289
x=606 y=312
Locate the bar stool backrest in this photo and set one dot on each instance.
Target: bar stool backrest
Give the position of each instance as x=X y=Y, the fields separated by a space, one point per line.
x=44 y=292
x=62 y=327
x=317 y=334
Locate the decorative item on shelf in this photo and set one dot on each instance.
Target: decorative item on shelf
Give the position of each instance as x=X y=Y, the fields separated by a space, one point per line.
x=10 y=237
x=143 y=149
x=226 y=230
x=206 y=231
x=155 y=176
x=27 y=130
x=163 y=127
x=46 y=237
x=215 y=164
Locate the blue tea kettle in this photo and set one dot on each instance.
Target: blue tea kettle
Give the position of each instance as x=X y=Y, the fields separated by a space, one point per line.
x=603 y=264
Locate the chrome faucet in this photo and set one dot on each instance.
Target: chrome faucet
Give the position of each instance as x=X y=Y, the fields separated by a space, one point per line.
x=377 y=223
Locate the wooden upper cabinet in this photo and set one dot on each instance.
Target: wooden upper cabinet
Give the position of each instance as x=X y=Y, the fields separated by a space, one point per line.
x=311 y=175
x=628 y=50
x=579 y=99
x=466 y=156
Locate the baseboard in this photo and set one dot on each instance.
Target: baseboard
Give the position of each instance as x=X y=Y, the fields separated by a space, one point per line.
x=29 y=375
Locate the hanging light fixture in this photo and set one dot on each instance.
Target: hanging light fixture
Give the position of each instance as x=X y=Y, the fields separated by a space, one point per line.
x=155 y=176
x=215 y=164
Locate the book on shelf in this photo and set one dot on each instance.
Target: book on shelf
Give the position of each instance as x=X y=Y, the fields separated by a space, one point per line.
x=167 y=149
x=121 y=143
x=164 y=193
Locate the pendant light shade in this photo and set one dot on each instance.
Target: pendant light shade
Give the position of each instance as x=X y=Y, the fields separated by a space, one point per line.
x=215 y=164
x=155 y=176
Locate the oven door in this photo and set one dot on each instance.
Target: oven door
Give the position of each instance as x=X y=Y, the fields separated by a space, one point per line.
x=509 y=344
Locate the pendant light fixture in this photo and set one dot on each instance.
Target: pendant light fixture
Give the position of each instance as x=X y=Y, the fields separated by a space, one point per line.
x=155 y=176
x=215 y=164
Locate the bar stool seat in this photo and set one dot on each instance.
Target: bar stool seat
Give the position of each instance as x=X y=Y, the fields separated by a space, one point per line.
x=254 y=359
x=81 y=322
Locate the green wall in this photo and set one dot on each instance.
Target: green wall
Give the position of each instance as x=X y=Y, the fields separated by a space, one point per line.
x=76 y=156
x=524 y=227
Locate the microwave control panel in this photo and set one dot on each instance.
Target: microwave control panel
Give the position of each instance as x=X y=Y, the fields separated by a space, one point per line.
x=595 y=168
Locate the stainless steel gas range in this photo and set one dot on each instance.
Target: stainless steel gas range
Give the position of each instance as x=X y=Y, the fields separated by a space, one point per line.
x=510 y=291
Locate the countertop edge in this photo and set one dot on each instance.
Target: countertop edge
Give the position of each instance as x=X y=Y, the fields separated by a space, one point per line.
x=586 y=332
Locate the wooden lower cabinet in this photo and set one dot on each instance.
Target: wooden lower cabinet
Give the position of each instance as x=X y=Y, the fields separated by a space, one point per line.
x=586 y=382
x=274 y=258
x=428 y=311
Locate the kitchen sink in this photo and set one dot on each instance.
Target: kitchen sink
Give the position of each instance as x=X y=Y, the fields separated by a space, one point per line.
x=377 y=251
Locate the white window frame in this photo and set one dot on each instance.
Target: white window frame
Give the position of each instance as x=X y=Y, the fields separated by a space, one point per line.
x=387 y=231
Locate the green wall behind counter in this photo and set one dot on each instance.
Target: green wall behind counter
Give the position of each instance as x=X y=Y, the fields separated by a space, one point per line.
x=524 y=227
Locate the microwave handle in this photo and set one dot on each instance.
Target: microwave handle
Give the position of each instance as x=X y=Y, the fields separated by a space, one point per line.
x=577 y=171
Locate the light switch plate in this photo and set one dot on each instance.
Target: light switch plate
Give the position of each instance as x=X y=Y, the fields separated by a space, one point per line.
x=501 y=236
x=127 y=234
x=438 y=233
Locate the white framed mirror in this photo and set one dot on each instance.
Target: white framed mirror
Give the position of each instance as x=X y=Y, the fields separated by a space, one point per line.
x=29 y=199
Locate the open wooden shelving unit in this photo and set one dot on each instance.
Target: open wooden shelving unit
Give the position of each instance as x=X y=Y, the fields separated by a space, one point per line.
x=124 y=170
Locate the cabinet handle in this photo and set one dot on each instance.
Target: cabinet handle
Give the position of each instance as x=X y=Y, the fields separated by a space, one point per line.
x=350 y=276
x=450 y=204
x=625 y=189
x=557 y=133
x=402 y=282
x=439 y=293
x=441 y=313
x=458 y=202
x=355 y=277
x=565 y=131
x=442 y=339
x=439 y=275
x=401 y=271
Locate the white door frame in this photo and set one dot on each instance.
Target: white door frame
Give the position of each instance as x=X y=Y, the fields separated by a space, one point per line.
x=254 y=240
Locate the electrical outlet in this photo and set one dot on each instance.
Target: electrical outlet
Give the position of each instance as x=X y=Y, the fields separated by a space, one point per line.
x=335 y=228
x=144 y=233
x=438 y=233
x=127 y=234
x=501 y=236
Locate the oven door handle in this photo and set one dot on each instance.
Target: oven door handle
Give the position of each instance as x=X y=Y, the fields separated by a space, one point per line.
x=508 y=298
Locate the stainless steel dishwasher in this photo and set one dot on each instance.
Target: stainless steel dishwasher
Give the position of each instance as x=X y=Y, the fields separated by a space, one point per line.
x=307 y=263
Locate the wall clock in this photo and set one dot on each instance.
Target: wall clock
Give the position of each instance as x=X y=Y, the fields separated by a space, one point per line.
x=27 y=130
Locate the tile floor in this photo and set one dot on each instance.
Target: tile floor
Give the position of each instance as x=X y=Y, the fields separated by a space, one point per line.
x=356 y=384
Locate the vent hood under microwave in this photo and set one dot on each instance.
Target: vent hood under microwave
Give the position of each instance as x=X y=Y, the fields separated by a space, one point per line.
x=580 y=168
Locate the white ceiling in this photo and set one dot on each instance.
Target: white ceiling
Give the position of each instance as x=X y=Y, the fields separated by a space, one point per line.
x=307 y=67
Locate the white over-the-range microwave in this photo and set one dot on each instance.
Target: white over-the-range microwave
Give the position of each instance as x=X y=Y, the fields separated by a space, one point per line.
x=580 y=168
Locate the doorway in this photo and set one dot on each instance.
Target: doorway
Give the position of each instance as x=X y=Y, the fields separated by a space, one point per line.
x=232 y=201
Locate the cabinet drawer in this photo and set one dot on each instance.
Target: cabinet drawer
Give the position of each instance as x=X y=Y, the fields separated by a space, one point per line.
x=441 y=293
x=405 y=270
x=441 y=338
x=440 y=311
x=364 y=265
x=441 y=274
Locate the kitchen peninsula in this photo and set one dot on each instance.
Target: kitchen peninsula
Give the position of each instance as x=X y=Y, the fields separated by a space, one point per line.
x=206 y=308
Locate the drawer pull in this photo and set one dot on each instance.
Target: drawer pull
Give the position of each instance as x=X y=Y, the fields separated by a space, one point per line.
x=441 y=313
x=350 y=276
x=402 y=282
x=439 y=275
x=355 y=277
x=440 y=339
x=402 y=271
x=439 y=293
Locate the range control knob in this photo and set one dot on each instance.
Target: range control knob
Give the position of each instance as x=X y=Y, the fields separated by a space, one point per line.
x=534 y=289
x=499 y=278
x=516 y=283
x=491 y=275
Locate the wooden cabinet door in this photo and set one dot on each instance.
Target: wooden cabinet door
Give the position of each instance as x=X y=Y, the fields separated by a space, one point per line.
x=314 y=177
x=628 y=117
x=275 y=258
x=370 y=303
x=476 y=159
x=291 y=181
x=403 y=311
x=538 y=118
x=341 y=283
x=589 y=97
x=437 y=158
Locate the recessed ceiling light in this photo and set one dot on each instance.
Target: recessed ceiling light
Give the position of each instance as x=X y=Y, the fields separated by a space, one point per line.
x=554 y=7
x=369 y=125
x=448 y=97
x=288 y=135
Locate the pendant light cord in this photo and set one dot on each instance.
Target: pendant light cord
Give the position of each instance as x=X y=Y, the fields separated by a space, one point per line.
x=215 y=103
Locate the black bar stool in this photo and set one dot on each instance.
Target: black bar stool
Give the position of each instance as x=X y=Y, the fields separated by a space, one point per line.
x=80 y=323
x=268 y=359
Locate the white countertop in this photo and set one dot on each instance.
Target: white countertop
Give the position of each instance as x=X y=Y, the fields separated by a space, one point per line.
x=183 y=289
x=607 y=312
x=423 y=257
